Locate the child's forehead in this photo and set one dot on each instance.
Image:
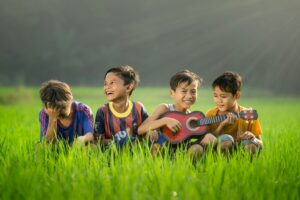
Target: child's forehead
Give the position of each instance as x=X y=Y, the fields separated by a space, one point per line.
x=112 y=76
x=186 y=85
x=217 y=89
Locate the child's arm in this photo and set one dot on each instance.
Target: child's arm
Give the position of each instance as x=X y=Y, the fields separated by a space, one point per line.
x=53 y=114
x=86 y=138
x=86 y=122
x=259 y=141
x=99 y=128
x=250 y=136
x=154 y=121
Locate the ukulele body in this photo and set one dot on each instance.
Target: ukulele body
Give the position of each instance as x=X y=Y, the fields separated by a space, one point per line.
x=189 y=127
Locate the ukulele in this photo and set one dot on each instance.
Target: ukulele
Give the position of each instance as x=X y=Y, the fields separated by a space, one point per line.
x=195 y=123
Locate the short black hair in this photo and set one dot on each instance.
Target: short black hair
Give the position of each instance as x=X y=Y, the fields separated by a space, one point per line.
x=55 y=94
x=127 y=74
x=184 y=76
x=228 y=82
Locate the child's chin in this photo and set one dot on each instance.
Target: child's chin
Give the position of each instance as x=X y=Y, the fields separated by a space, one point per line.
x=222 y=109
x=187 y=106
x=109 y=98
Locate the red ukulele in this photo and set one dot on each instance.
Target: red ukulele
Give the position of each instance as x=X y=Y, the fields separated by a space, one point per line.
x=195 y=123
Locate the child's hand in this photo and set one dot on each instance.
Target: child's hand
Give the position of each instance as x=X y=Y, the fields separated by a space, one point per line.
x=247 y=136
x=81 y=140
x=231 y=118
x=173 y=124
x=153 y=136
x=52 y=113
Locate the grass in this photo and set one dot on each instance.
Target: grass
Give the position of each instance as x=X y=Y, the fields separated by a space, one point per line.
x=31 y=171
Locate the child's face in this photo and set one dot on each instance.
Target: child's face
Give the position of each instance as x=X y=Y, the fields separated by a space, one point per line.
x=225 y=101
x=114 y=88
x=66 y=111
x=62 y=112
x=185 y=95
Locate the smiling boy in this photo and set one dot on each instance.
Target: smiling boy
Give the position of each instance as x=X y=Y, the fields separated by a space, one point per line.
x=118 y=120
x=184 y=92
x=232 y=131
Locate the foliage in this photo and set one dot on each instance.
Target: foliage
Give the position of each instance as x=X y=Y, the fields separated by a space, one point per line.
x=32 y=170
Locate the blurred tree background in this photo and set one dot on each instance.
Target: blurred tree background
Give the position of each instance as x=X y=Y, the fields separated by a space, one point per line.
x=77 y=41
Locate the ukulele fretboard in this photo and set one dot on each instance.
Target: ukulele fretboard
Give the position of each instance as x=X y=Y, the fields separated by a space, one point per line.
x=214 y=119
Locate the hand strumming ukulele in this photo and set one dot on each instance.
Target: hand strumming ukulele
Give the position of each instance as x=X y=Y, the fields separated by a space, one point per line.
x=195 y=123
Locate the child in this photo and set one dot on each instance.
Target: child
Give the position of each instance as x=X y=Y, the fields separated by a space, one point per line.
x=62 y=118
x=232 y=131
x=118 y=120
x=184 y=91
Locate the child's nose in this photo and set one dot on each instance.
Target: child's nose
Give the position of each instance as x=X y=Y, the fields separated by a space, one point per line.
x=189 y=95
x=218 y=100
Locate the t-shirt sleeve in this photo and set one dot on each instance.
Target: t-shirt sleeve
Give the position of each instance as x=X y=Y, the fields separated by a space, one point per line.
x=144 y=113
x=253 y=126
x=88 y=121
x=99 y=128
x=43 y=123
x=256 y=128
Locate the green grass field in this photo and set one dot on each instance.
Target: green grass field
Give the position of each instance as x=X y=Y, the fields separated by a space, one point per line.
x=28 y=171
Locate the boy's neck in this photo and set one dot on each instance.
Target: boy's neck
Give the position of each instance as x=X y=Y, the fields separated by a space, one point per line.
x=179 y=109
x=121 y=106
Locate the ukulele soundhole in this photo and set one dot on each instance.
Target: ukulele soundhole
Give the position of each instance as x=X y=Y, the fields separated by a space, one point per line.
x=192 y=124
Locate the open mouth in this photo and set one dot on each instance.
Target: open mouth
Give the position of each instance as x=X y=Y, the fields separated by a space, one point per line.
x=188 y=102
x=221 y=106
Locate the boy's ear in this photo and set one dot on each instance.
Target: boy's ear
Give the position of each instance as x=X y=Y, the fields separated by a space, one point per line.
x=129 y=87
x=172 y=92
x=238 y=94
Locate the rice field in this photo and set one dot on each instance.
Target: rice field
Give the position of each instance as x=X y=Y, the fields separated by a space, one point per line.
x=29 y=170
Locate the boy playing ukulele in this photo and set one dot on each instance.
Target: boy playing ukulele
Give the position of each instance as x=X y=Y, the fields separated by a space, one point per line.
x=184 y=91
x=232 y=130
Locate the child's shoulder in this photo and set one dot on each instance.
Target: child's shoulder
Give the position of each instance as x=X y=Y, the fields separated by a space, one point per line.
x=162 y=108
x=138 y=103
x=81 y=107
x=42 y=113
x=212 y=111
x=102 y=107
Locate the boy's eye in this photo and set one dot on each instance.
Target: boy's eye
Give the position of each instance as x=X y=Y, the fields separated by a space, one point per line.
x=109 y=83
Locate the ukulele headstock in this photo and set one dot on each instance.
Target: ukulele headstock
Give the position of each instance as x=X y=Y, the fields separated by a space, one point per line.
x=248 y=114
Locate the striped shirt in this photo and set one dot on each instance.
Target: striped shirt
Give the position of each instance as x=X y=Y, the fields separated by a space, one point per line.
x=120 y=126
x=82 y=123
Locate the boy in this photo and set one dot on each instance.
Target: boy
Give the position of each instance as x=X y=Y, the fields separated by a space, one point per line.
x=184 y=91
x=118 y=120
x=232 y=131
x=62 y=118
